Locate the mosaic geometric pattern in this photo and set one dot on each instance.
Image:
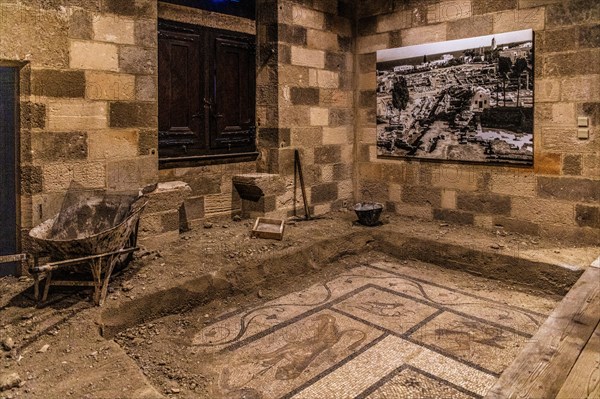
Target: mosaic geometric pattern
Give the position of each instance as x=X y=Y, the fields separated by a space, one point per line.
x=379 y=331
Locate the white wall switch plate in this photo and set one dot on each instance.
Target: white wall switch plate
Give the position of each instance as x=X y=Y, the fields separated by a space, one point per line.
x=582 y=121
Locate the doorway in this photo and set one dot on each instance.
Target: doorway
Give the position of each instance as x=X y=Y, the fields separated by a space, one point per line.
x=9 y=122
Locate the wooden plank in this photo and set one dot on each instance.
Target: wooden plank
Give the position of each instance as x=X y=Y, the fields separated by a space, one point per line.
x=13 y=258
x=542 y=367
x=48 y=267
x=584 y=379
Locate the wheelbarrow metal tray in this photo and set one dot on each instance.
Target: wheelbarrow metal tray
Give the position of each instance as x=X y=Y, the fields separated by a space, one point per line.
x=109 y=240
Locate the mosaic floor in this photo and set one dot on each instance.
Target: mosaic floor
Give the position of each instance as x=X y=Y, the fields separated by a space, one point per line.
x=386 y=330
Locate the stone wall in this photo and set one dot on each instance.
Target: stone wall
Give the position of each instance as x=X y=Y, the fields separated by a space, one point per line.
x=87 y=96
x=559 y=196
x=315 y=101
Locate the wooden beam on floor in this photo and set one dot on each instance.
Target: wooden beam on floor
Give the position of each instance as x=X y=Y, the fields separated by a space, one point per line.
x=543 y=366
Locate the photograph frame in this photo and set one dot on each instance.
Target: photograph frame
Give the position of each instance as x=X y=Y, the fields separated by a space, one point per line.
x=460 y=101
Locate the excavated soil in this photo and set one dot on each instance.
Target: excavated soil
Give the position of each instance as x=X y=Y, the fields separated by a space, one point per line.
x=134 y=346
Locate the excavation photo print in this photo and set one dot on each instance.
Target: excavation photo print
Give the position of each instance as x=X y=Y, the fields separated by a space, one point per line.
x=462 y=100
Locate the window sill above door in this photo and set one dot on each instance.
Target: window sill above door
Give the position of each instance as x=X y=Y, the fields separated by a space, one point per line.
x=206 y=160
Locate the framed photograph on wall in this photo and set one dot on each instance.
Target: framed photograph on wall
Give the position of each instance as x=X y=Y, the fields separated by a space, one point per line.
x=467 y=100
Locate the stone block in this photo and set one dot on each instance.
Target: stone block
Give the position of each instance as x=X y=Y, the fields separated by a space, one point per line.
x=322 y=40
x=372 y=43
x=219 y=204
x=193 y=210
x=33 y=115
x=453 y=216
x=536 y=3
x=133 y=114
x=57 y=177
x=146 y=33
x=253 y=186
x=304 y=96
x=133 y=8
x=573 y=12
x=530 y=18
x=90 y=174
x=147 y=141
x=128 y=174
x=513 y=184
x=592 y=110
x=559 y=139
x=342 y=171
x=24 y=40
x=306 y=136
x=582 y=62
x=328 y=154
x=336 y=135
x=146 y=88
x=113 y=144
x=307 y=57
x=589 y=36
x=591 y=165
x=59 y=146
x=572 y=164
x=421 y=195
x=55 y=83
x=31 y=179
x=319 y=116
x=493 y=204
x=449 y=11
x=557 y=40
x=80 y=24
x=517 y=225
x=76 y=115
x=483 y=221
x=587 y=216
x=109 y=86
x=542 y=211
x=137 y=60
x=547 y=90
x=424 y=34
x=327 y=79
x=367 y=62
x=340 y=117
x=457 y=177
x=569 y=189
x=293 y=75
x=394 y=21
x=489 y=6
x=547 y=163
x=448 y=200
x=167 y=197
x=326 y=192
x=367 y=99
x=580 y=88
x=293 y=34
x=308 y=18
x=93 y=55
x=115 y=29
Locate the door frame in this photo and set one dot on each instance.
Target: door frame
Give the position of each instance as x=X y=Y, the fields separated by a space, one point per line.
x=18 y=75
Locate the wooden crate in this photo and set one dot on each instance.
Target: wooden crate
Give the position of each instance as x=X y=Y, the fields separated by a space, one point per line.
x=268 y=228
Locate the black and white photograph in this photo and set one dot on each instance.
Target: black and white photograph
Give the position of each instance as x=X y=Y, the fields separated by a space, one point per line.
x=461 y=100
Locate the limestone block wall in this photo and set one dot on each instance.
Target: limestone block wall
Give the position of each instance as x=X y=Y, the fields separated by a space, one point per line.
x=315 y=100
x=87 y=96
x=559 y=196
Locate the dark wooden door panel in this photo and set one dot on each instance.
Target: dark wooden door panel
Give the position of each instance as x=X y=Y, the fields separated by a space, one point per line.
x=234 y=93
x=180 y=88
x=8 y=166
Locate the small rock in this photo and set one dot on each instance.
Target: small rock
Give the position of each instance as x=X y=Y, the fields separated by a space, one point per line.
x=175 y=390
x=237 y=218
x=260 y=294
x=126 y=286
x=495 y=246
x=44 y=349
x=208 y=225
x=444 y=224
x=8 y=343
x=9 y=380
x=225 y=226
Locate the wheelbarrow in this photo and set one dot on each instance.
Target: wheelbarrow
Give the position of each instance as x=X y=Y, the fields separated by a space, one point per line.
x=91 y=235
